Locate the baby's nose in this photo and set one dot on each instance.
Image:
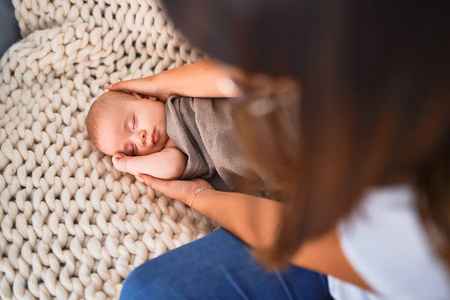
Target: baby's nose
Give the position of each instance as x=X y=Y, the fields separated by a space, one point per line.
x=140 y=137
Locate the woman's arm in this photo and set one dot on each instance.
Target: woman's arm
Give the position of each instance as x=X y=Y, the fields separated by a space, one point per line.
x=255 y=220
x=168 y=164
x=202 y=79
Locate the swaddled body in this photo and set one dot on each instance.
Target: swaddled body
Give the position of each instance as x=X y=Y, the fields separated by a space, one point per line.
x=200 y=137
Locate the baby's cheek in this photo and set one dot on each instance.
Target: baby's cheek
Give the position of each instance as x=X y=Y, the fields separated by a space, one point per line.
x=146 y=151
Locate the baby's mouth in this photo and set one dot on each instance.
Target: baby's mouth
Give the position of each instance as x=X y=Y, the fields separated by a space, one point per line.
x=154 y=137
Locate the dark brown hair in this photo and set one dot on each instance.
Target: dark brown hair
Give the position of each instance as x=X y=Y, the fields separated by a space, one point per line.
x=375 y=99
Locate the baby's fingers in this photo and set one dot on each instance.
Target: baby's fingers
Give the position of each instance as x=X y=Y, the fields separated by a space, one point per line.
x=118 y=160
x=118 y=156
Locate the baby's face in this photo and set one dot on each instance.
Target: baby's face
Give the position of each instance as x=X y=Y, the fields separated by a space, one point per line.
x=134 y=127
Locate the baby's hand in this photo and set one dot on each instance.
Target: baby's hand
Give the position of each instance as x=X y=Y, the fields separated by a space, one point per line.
x=120 y=161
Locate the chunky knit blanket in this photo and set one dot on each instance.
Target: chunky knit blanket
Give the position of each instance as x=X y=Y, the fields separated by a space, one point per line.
x=71 y=225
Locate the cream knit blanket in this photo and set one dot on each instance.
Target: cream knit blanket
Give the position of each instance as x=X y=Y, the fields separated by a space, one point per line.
x=71 y=225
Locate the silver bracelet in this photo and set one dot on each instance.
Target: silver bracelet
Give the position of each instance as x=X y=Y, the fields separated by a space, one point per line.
x=197 y=192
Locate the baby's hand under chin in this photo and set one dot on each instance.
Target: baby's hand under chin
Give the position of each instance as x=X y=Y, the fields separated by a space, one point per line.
x=120 y=161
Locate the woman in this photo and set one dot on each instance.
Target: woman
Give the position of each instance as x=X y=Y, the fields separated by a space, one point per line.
x=366 y=198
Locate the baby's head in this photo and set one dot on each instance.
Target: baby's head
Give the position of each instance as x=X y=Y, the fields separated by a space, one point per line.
x=119 y=122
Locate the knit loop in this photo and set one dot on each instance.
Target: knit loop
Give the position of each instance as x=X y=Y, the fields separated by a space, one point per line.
x=72 y=226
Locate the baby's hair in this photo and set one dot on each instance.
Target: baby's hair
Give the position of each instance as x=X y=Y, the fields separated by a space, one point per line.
x=108 y=98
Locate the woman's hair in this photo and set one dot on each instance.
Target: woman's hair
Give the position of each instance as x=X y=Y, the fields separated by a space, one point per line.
x=375 y=107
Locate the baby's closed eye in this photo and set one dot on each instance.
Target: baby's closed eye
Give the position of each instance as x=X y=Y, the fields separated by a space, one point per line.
x=132 y=123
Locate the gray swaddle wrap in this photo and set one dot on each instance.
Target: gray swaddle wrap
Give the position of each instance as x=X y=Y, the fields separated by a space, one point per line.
x=205 y=131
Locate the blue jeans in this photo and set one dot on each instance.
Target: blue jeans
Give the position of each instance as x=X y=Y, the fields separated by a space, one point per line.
x=219 y=266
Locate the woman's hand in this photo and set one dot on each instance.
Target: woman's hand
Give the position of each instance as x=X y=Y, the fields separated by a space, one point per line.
x=144 y=86
x=182 y=190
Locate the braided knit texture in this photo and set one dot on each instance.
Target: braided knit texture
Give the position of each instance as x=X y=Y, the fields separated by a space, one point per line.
x=73 y=227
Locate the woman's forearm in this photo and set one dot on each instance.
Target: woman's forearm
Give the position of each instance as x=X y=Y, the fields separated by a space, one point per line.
x=255 y=221
x=250 y=218
x=200 y=79
x=207 y=79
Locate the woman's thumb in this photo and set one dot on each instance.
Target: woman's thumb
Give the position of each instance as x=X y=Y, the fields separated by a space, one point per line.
x=148 y=180
x=127 y=85
x=154 y=183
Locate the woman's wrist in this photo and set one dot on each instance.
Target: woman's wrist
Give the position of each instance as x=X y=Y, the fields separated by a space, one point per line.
x=198 y=198
x=199 y=190
x=161 y=84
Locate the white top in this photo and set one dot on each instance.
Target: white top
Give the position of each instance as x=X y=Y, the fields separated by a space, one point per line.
x=386 y=243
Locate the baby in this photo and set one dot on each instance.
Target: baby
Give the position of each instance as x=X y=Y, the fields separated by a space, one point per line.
x=181 y=138
x=132 y=129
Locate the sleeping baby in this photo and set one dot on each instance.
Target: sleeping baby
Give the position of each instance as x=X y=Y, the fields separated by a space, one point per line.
x=182 y=138
x=132 y=130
